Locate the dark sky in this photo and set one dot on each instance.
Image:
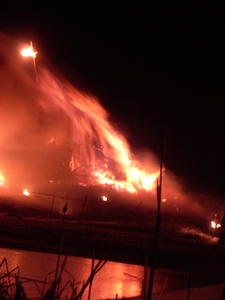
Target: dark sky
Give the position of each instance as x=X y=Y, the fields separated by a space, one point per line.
x=151 y=63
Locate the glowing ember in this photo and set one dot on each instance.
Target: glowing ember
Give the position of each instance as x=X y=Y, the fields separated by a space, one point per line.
x=29 y=52
x=104 y=198
x=214 y=225
x=26 y=193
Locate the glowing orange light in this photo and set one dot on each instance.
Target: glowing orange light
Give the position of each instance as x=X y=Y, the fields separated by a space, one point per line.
x=2 y=180
x=163 y=200
x=104 y=198
x=26 y=193
x=214 y=225
x=29 y=52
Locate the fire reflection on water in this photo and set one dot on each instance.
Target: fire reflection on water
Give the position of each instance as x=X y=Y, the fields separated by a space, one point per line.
x=114 y=279
x=120 y=282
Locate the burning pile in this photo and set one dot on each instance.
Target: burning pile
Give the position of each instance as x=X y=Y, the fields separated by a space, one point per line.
x=52 y=131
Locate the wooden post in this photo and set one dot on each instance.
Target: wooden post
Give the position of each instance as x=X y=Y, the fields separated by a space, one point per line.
x=158 y=216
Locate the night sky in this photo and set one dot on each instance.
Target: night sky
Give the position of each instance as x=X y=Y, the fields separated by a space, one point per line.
x=150 y=63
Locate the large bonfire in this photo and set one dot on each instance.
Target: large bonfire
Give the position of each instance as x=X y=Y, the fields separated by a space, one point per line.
x=53 y=131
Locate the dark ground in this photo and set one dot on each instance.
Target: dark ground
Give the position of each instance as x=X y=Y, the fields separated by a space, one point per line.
x=184 y=244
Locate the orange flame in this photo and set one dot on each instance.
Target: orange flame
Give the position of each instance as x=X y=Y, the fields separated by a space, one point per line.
x=97 y=148
x=62 y=134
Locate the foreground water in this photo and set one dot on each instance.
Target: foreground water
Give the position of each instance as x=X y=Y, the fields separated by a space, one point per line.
x=114 y=279
x=123 y=280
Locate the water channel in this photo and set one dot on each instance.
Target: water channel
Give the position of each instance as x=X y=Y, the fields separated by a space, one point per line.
x=123 y=280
